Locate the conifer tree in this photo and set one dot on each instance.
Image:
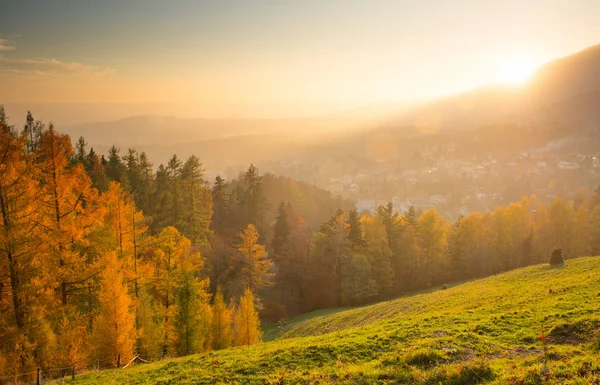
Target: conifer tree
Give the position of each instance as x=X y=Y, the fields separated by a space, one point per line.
x=255 y=272
x=220 y=205
x=114 y=166
x=355 y=232
x=197 y=201
x=222 y=332
x=379 y=253
x=193 y=319
x=114 y=327
x=67 y=207
x=247 y=324
x=281 y=231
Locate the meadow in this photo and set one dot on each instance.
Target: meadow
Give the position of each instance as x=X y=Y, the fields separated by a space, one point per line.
x=536 y=325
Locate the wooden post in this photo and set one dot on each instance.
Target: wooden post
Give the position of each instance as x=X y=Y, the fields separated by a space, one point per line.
x=119 y=360
x=73 y=372
x=38 y=380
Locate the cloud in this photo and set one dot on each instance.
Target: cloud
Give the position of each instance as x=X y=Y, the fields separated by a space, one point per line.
x=5 y=45
x=45 y=68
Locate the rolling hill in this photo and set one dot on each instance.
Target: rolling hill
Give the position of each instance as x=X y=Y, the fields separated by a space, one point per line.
x=535 y=325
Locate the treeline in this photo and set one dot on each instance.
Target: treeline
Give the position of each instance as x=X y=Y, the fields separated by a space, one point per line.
x=86 y=277
x=107 y=256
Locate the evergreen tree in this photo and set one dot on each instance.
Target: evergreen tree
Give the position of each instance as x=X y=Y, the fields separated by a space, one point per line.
x=281 y=231
x=197 y=202
x=355 y=231
x=114 y=166
x=220 y=219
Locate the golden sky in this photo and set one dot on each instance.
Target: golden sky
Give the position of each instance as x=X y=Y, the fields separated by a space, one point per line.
x=278 y=54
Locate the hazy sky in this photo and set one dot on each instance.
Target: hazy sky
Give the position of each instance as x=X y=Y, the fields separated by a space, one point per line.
x=277 y=53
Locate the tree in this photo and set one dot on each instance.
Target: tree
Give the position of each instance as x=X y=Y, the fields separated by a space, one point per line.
x=360 y=285
x=197 y=202
x=114 y=168
x=220 y=218
x=67 y=208
x=25 y=274
x=247 y=324
x=256 y=268
x=222 y=333
x=355 y=232
x=378 y=253
x=193 y=320
x=281 y=231
x=172 y=251
x=252 y=198
x=114 y=327
x=432 y=243
x=32 y=132
x=556 y=257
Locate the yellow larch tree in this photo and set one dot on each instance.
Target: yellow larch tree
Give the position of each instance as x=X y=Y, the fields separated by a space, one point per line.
x=255 y=272
x=114 y=327
x=25 y=295
x=247 y=324
x=222 y=333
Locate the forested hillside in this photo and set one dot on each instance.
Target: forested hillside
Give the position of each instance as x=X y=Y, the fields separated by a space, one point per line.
x=107 y=257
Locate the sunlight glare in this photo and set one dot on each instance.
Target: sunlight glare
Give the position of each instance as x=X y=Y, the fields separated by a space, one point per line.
x=516 y=70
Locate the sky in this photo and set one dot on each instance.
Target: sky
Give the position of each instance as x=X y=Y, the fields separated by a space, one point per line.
x=267 y=56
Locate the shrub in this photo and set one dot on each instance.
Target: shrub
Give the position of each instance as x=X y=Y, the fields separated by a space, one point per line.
x=556 y=258
x=273 y=311
x=424 y=358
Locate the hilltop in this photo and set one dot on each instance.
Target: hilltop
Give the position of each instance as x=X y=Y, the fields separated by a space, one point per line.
x=484 y=331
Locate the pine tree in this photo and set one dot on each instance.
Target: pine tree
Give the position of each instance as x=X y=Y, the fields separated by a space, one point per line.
x=220 y=219
x=281 y=231
x=247 y=324
x=114 y=327
x=355 y=232
x=252 y=198
x=222 y=333
x=114 y=166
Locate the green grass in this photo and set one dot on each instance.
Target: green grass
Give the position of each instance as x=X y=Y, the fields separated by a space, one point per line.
x=484 y=331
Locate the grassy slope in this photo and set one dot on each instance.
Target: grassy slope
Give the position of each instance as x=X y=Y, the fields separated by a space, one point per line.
x=483 y=331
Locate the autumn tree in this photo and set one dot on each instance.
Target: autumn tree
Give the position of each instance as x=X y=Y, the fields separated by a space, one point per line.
x=379 y=254
x=25 y=335
x=255 y=272
x=432 y=243
x=67 y=207
x=222 y=332
x=114 y=327
x=247 y=324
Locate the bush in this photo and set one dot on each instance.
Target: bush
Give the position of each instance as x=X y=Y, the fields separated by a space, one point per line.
x=424 y=358
x=273 y=311
x=556 y=257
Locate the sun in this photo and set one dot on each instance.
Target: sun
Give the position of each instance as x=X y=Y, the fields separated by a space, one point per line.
x=515 y=70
